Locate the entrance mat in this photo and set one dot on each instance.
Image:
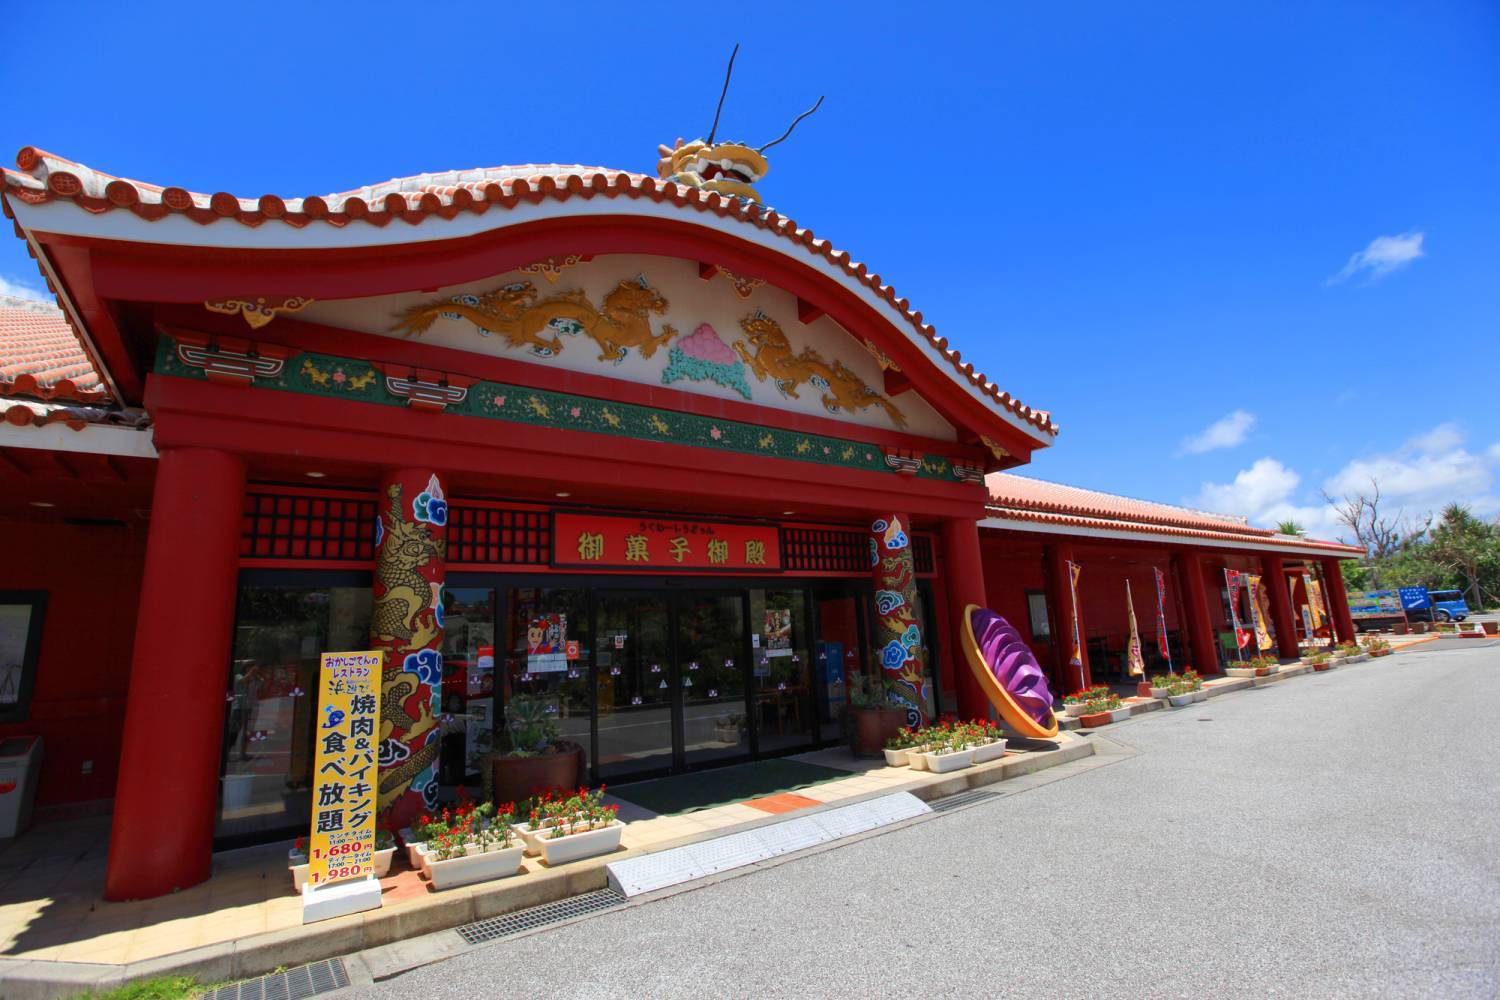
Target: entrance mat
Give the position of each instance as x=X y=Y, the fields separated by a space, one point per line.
x=722 y=785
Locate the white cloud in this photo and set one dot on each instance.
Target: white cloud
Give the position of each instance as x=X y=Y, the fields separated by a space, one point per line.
x=1427 y=472
x=16 y=288
x=1226 y=432
x=1254 y=490
x=1384 y=255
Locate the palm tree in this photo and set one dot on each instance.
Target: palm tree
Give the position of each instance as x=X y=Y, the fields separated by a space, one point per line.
x=1290 y=527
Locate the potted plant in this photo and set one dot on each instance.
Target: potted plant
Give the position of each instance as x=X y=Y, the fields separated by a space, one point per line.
x=952 y=753
x=1103 y=708
x=1376 y=646
x=1160 y=683
x=1195 y=682
x=989 y=742
x=1180 y=693
x=1241 y=668
x=728 y=728
x=1352 y=653
x=474 y=847
x=897 y=748
x=1318 y=661
x=566 y=827
x=385 y=848
x=875 y=718
x=1073 y=703
x=538 y=757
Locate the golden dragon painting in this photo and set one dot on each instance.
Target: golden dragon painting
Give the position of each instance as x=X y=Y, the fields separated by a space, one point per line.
x=515 y=313
x=769 y=355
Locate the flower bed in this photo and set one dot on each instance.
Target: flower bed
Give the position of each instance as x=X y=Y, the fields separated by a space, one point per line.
x=946 y=746
x=569 y=827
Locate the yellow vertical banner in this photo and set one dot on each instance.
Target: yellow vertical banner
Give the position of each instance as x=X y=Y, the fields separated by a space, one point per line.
x=1314 y=599
x=342 y=845
x=1262 y=613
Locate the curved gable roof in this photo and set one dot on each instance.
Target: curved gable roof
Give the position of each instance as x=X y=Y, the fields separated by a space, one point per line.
x=43 y=178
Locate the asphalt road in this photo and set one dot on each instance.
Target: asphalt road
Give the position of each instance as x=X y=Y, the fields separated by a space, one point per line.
x=1333 y=835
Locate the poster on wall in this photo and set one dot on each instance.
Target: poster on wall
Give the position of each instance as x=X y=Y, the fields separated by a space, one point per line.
x=547 y=644
x=20 y=640
x=342 y=845
x=778 y=632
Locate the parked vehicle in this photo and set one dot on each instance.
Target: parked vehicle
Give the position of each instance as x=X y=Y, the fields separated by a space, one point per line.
x=1375 y=609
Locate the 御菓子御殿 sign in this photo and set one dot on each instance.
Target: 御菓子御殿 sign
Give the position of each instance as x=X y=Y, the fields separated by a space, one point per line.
x=664 y=543
x=345 y=775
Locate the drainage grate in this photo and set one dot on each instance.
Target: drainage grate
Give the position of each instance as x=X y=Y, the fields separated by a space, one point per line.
x=962 y=799
x=535 y=917
x=293 y=984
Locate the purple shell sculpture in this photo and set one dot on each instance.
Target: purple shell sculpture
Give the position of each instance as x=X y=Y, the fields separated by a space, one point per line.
x=1012 y=663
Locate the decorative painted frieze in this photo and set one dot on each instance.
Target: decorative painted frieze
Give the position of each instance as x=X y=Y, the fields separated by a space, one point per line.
x=348 y=378
x=232 y=362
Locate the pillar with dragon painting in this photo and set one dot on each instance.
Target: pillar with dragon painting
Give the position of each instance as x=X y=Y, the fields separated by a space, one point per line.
x=898 y=615
x=406 y=622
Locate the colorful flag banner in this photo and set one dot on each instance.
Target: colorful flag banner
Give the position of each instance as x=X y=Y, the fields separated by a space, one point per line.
x=1233 y=583
x=1135 y=661
x=1314 y=599
x=1260 y=610
x=1161 y=618
x=1073 y=570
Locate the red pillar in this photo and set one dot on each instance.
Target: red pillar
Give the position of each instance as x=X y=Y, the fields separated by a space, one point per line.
x=963 y=572
x=1059 y=582
x=1201 y=640
x=174 y=716
x=1273 y=575
x=1338 y=600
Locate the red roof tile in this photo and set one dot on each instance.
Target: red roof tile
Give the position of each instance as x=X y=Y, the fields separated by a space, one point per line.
x=41 y=357
x=1019 y=498
x=44 y=177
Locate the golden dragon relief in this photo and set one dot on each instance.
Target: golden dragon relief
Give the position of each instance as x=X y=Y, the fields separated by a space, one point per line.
x=769 y=355
x=515 y=313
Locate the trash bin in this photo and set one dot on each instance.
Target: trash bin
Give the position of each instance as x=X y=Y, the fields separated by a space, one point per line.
x=20 y=763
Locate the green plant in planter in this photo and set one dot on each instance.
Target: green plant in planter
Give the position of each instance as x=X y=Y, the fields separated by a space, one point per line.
x=531 y=725
x=1191 y=676
x=904 y=740
x=867 y=691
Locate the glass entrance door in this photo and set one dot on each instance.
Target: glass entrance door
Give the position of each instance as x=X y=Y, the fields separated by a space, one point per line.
x=711 y=669
x=635 y=683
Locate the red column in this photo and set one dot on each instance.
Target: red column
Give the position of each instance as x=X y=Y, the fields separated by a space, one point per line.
x=174 y=717
x=963 y=572
x=1201 y=640
x=1273 y=575
x=1073 y=678
x=1338 y=600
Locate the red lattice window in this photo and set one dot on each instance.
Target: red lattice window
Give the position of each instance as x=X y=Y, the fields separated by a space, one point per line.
x=498 y=536
x=921 y=555
x=308 y=526
x=826 y=550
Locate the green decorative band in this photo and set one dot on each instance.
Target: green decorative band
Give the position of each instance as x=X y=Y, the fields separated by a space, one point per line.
x=347 y=378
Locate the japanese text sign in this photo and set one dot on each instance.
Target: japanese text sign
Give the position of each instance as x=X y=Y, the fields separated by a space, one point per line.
x=663 y=543
x=342 y=845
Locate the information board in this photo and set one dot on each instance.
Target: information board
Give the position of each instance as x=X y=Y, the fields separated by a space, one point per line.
x=345 y=775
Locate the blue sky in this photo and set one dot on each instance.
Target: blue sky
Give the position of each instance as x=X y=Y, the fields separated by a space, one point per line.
x=1241 y=253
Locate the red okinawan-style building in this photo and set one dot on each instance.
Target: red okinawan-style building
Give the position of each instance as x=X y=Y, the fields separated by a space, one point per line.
x=639 y=450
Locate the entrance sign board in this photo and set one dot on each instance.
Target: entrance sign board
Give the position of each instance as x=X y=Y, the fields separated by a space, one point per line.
x=667 y=543
x=342 y=845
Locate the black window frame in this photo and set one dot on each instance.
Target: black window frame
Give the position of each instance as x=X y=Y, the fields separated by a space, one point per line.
x=31 y=654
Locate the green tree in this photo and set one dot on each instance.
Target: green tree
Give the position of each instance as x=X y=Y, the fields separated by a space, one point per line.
x=1290 y=527
x=1468 y=550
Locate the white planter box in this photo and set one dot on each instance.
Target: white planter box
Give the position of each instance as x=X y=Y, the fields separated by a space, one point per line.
x=942 y=763
x=1240 y=671
x=1073 y=711
x=474 y=866
x=895 y=758
x=1357 y=658
x=576 y=846
x=1159 y=693
x=917 y=758
x=989 y=751
x=1179 y=700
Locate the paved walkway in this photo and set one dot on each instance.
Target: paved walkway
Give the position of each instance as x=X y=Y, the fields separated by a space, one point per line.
x=51 y=910
x=1333 y=835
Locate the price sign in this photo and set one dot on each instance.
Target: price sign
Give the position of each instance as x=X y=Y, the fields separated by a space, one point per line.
x=342 y=845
